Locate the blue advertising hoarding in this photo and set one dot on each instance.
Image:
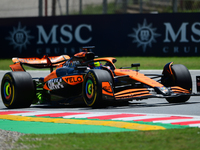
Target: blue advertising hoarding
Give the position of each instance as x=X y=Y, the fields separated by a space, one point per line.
x=112 y=35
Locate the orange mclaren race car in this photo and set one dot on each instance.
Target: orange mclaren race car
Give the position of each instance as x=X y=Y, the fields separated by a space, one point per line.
x=86 y=78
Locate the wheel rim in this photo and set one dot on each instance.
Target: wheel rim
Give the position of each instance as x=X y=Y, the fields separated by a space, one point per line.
x=7 y=90
x=89 y=90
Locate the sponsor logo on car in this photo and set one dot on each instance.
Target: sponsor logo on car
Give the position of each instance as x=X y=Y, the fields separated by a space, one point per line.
x=73 y=80
x=55 y=84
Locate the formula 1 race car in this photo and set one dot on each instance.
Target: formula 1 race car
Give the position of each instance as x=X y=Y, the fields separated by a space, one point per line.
x=86 y=78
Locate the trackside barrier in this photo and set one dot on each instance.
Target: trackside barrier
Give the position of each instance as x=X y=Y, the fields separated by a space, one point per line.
x=113 y=35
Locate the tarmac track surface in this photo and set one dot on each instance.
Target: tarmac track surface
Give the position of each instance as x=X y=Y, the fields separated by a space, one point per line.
x=150 y=114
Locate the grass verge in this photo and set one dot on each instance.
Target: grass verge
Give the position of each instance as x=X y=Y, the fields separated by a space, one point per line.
x=145 y=62
x=173 y=139
x=158 y=62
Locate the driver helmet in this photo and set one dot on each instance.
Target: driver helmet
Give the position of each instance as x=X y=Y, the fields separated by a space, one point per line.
x=95 y=65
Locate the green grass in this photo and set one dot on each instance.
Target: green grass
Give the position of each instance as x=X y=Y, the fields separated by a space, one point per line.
x=4 y=64
x=145 y=62
x=171 y=139
x=158 y=62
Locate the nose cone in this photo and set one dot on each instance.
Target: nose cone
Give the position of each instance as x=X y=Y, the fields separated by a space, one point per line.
x=162 y=90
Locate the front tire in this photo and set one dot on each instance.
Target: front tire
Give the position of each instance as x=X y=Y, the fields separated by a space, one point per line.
x=182 y=78
x=17 y=90
x=92 y=87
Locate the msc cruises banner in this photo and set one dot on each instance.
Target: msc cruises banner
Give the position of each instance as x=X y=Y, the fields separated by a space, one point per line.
x=112 y=35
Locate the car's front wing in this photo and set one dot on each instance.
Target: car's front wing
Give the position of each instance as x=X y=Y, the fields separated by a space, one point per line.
x=142 y=93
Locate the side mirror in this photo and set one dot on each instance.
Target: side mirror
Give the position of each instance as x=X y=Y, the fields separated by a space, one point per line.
x=135 y=65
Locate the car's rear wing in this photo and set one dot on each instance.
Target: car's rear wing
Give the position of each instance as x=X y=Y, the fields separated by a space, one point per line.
x=44 y=62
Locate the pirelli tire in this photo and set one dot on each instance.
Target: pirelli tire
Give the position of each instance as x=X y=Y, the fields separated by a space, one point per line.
x=92 y=87
x=182 y=78
x=17 y=90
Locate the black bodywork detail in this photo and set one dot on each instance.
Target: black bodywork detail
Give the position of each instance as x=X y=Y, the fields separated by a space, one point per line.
x=68 y=91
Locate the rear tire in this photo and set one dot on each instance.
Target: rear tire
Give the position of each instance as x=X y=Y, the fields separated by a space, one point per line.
x=92 y=87
x=181 y=78
x=17 y=90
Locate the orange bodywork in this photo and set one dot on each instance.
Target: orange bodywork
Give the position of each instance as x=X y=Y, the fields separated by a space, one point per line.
x=44 y=62
x=170 y=68
x=131 y=93
x=80 y=54
x=129 y=96
x=177 y=89
x=52 y=75
x=139 y=90
x=17 y=67
x=107 y=89
x=138 y=77
x=46 y=87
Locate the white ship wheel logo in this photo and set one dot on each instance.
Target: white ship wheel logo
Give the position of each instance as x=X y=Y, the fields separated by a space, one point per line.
x=19 y=37
x=144 y=35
